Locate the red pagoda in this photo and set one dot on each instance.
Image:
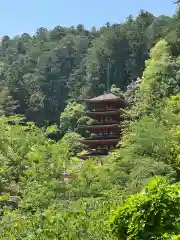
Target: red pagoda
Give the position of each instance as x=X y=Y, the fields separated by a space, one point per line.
x=105 y=129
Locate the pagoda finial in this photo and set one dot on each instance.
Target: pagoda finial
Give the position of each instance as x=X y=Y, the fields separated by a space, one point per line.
x=108 y=74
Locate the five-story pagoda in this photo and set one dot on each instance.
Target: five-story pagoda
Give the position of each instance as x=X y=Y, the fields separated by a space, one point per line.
x=105 y=129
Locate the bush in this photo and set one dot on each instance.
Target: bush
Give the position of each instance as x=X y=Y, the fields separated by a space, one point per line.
x=149 y=214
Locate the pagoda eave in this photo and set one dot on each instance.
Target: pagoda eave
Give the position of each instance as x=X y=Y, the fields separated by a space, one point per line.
x=102 y=100
x=103 y=113
x=107 y=126
x=104 y=137
x=99 y=142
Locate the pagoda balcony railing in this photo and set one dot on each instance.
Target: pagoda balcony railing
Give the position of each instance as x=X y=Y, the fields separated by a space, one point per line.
x=94 y=143
x=101 y=127
x=91 y=114
x=87 y=148
x=101 y=137
x=104 y=122
x=101 y=110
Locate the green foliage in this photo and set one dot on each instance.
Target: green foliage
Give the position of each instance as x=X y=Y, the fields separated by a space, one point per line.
x=7 y=104
x=71 y=139
x=51 y=129
x=118 y=92
x=149 y=214
x=70 y=117
x=16 y=142
x=44 y=71
x=77 y=220
x=160 y=78
x=49 y=193
x=131 y=171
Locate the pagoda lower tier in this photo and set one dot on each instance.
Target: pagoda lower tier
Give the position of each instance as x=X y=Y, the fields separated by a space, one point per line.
x=103 y=131
x=102 y=122
x=104 y=136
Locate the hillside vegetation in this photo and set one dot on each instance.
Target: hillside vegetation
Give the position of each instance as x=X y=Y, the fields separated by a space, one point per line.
x=134 y=194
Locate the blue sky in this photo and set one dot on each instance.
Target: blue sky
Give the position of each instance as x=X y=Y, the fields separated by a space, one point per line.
x=21 y=16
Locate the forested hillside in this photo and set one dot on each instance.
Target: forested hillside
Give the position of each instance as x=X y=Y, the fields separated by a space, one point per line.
x=39 y=74
x=134 y=194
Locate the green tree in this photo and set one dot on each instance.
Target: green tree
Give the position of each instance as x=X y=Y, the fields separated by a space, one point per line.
x=8 y=106
x=159 y=79
x=70 y=117
x=153 y=213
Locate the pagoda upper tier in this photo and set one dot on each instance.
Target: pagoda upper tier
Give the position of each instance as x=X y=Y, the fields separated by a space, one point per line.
x=107 y=97
x=105 y=102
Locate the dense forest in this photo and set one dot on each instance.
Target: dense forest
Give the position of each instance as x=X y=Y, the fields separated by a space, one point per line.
x=134 y=194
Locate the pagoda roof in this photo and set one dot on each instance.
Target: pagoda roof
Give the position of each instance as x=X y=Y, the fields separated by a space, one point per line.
x=105 y=98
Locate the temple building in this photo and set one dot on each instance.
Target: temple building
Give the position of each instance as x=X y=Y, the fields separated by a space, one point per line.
x=105 y=129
